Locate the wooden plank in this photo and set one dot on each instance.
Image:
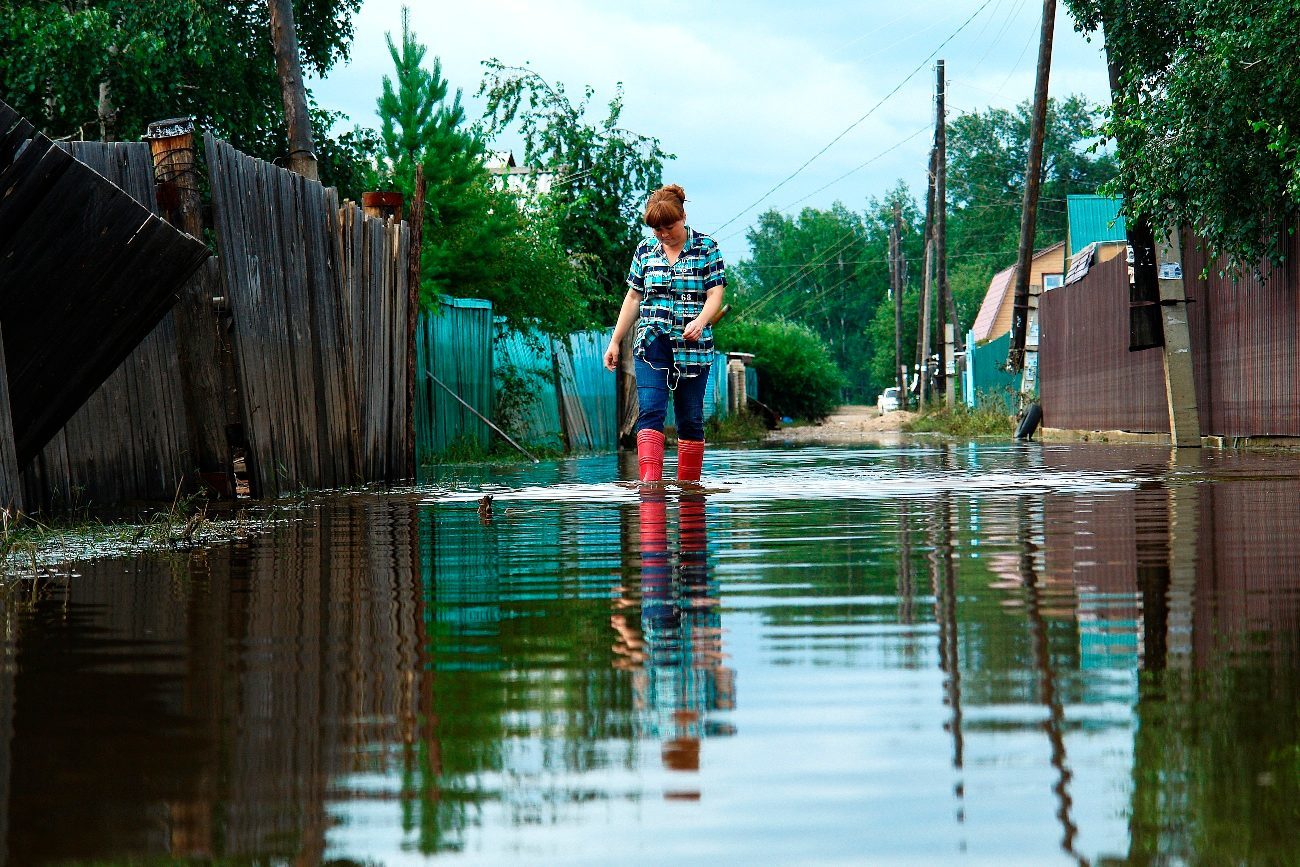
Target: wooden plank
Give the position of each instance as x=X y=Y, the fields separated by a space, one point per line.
x=10 y=484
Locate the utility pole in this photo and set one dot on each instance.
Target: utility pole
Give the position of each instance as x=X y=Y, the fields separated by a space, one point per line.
x=941 y=227
x=1033 y=179
x=896 y=282
x=284 y=39
x=927 y=287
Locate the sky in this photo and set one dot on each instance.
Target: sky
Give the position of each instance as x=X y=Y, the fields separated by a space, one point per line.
x=744 y=94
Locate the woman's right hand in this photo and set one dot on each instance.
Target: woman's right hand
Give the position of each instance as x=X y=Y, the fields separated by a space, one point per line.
x=611 y=356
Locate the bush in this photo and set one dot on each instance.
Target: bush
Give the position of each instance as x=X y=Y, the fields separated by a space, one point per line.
x=796 y=375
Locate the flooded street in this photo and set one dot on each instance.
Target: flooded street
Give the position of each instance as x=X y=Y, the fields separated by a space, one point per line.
x=914 y=654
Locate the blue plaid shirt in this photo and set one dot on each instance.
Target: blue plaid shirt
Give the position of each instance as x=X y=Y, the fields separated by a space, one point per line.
x=673 y=295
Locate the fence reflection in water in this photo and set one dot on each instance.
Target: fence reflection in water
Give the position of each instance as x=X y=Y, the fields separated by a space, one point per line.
x=1116 y=660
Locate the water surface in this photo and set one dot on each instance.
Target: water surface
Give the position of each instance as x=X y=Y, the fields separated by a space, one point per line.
x=992 y=654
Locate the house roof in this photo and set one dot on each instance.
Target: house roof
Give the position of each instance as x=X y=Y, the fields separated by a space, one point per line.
x=1001 y=286
x=1093 y=218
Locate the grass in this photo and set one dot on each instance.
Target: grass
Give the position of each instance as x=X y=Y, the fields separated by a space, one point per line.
x=987 y=419
x=741 y=427
x=26 y=543
x=466 y=450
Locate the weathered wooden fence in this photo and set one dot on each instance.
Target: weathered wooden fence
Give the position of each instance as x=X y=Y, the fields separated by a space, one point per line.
x=1245 y=338
x=318 y=296
x=130 y=440
x=86 y=273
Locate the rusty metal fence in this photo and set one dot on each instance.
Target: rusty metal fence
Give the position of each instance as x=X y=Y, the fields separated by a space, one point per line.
x=1245 y=338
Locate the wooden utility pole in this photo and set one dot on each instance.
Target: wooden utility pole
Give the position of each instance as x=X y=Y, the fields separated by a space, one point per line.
x=927 y=287
x=284 y=39
x=941 y=224
x=896 y=284
x=1033 y=180
x=413 y=260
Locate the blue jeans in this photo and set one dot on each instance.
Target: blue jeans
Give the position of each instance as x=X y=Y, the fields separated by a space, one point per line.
x=653 y=374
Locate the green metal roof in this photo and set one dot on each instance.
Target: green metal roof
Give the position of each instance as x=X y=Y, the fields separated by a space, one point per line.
x=1093 y=218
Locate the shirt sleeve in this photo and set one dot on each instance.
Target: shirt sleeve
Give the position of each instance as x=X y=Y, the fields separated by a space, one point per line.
x=636 y=273
x=715 y=270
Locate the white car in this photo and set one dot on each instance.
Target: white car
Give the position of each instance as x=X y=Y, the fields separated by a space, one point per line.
x=888 y=401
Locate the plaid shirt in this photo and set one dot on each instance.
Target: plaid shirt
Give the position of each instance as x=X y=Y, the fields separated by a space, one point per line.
x=673 y=295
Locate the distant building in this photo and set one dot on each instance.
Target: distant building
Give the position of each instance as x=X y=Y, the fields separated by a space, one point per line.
x=517 y=178
x=1046 y=269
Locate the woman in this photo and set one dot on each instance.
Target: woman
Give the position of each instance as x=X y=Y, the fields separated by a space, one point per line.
x=675 y=288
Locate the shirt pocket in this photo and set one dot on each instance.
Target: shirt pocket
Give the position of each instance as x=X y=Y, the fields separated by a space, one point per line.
x=657 y=281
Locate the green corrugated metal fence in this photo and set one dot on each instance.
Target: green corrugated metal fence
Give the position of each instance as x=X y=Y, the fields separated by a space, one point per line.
x=986 y=374
x=454 y=344
x=536 y=420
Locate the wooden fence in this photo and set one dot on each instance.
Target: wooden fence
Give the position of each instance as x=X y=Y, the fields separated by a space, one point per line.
x=318 y=295
x=86 y=273
x=130 y=440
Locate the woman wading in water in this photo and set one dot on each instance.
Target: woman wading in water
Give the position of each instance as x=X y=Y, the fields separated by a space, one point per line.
x=675 y=288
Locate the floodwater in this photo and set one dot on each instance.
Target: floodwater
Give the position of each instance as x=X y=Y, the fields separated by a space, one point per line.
x=920 y=654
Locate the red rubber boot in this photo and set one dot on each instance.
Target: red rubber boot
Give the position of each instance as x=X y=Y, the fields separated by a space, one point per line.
x=690 y=457
x=650 y=454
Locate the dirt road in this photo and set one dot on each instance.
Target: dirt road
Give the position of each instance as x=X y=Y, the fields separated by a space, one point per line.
x=848 y=424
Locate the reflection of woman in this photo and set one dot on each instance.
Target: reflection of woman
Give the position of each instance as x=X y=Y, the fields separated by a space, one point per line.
x=675 y=287
x=675 y=650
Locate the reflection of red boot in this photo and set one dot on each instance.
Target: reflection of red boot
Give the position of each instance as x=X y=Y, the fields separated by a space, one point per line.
x=650 y=454
x=690 y=457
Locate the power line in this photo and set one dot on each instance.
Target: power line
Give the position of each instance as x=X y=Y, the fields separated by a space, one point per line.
x=857 y=122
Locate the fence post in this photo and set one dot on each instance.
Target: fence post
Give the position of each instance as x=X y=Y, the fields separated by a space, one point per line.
x=203 y=351
x=416 y=242
x=1180 y=382
x=10 y=484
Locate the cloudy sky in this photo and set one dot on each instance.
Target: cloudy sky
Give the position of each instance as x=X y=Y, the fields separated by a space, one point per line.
x=745 y=93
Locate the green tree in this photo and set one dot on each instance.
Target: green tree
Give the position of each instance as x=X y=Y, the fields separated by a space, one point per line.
x=604 y=173
x=829 y=270
x=1206 y=119
x=987 y=155
x=479 y=239
x=154 y=59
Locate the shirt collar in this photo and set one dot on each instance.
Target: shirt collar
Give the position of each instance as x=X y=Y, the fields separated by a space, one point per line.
x=691 y=235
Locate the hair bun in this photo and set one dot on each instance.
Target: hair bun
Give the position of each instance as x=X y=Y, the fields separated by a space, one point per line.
x=673 y=190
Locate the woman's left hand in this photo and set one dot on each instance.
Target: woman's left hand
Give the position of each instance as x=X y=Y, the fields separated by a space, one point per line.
x=694 y=330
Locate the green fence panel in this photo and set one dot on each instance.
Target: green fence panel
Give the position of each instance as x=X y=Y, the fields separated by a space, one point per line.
x=530 y=356
x=453 y=346
x=986 y=374
x=593 y=392
x=751 y=381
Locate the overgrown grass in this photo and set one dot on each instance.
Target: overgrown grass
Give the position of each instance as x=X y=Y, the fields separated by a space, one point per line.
x=741 y=427
x=27 y=544
x=467 y=450
x=987 y=419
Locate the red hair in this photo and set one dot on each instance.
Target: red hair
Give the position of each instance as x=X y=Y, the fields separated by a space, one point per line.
x=665 y=206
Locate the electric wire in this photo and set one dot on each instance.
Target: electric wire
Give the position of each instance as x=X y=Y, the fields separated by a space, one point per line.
x=857 y=122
